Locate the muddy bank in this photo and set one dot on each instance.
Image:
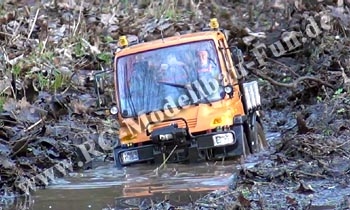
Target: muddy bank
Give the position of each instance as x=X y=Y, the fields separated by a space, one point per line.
x=49 y=106
x=302 y=171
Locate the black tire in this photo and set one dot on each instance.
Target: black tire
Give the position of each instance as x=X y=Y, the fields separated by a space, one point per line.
x=259 y=142
x=246 y=148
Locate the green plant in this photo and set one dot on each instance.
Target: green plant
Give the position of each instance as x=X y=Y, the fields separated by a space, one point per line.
x=17 y=69
x=43 y=81
x=341 y=110
x=170 y=13
x=2 y=102
x=58 y=81
x=245 y=192
x=338 y=92
x=79 y=50
x=327 y=132
x=108 y=39
x=105 y=57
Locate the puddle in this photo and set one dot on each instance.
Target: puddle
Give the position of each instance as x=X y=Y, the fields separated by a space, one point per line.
x=107 y=187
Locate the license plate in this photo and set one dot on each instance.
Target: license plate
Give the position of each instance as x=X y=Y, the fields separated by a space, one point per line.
x=223 y=139
x=130 y=156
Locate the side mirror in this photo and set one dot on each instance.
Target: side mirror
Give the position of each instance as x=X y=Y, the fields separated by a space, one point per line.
x=99 y=85
x=237 y=58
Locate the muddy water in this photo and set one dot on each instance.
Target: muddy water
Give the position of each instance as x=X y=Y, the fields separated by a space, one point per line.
x=107 y=186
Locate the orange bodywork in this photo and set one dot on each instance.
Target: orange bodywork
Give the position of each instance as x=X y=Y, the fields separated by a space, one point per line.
x=203 y=117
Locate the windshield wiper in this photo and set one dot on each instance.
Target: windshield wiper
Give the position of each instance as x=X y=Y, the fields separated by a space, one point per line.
x=173 y=84
x=184 y=87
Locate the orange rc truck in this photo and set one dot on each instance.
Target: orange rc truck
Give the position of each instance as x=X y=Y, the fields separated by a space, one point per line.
x=181 y=99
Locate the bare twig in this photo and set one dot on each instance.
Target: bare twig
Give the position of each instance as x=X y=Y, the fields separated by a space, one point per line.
x=79 y=18
x=284 y=65
x=205 y=205
x=345 y=77
x=33 y=24
x=166 y=159
x=32 y=126
x=311 y=174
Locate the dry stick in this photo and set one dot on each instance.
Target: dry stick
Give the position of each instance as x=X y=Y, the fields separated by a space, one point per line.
x=284 y=65
x=35 y=124
x=311 y=174
x=222 y=196
x=35 y=18
x=345 y=77
x=342 y=144
x=26 y=139
x=206 y=205
x=6 y=34
x=15 y=33
x=79 y=18
x=24 y=145
x=289 y=85
x=166 y=159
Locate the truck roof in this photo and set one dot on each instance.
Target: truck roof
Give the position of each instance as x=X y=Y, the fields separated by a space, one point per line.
x=169 y=41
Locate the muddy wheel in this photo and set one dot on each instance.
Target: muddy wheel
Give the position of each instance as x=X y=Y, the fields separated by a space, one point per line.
x=259 y=142
x=246 y=149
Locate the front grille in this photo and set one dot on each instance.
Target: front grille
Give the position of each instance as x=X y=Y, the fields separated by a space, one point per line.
x=192 y=123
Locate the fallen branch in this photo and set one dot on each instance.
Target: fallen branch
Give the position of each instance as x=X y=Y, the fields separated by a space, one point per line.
x=289 y=85
x=311 y=174
x=284 y=65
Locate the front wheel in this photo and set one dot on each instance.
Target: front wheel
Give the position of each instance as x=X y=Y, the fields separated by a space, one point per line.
x=259 y=142
x=246 y=149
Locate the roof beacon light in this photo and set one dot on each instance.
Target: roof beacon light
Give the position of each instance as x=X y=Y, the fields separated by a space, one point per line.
x=214 y=24
x=123 y=41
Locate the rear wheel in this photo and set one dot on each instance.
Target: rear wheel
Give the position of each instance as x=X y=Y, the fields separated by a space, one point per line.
x=259 y=142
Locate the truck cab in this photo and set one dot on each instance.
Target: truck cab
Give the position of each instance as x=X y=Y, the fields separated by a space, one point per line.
x=181 y=99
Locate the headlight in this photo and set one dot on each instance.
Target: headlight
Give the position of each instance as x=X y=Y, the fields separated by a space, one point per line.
x=129 y=156
x=228 y=89
x=114 y=110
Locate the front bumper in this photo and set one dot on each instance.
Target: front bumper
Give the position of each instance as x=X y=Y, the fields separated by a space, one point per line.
x=181 y=146
x=202 y=147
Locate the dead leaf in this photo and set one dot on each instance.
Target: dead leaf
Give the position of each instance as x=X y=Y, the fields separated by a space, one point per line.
x=304 y=188
x=291 y=201
x=243 y=201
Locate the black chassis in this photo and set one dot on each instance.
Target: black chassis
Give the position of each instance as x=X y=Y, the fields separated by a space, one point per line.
x=182 y=146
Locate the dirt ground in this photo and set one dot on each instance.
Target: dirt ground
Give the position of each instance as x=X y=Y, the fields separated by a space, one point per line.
x=49 y=52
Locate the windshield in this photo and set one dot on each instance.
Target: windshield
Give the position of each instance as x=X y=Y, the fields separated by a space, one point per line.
x=168 y=77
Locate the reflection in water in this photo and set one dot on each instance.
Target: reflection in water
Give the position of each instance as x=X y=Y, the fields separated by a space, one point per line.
x=107 y=187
